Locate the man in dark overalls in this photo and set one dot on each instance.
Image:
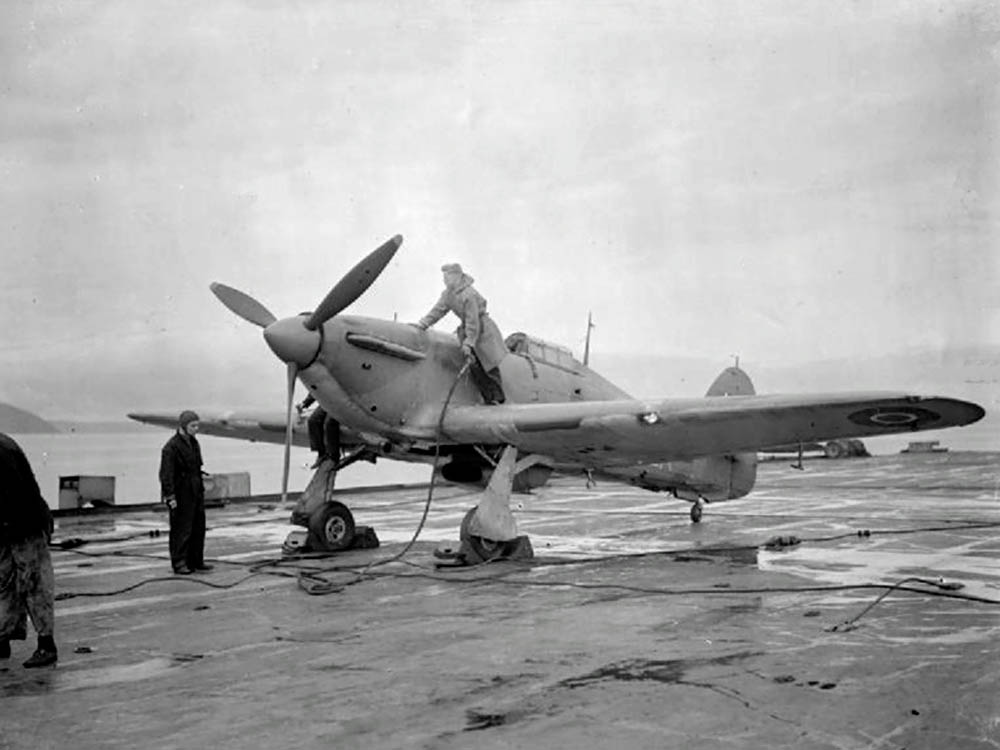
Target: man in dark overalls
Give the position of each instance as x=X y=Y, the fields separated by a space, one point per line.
x=183 y=491
x=27 y=582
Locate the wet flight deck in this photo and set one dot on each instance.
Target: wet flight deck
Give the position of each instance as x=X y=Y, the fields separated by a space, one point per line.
x=853 y=604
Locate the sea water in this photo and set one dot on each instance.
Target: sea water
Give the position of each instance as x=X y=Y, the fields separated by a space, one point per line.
x=133 y=459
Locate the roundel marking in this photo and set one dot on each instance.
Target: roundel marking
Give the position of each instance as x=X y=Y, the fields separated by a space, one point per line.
x=894 y=417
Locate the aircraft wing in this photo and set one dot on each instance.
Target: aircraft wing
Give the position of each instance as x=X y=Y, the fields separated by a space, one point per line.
x=621 y=433
x=256 y=427
x=268 y=427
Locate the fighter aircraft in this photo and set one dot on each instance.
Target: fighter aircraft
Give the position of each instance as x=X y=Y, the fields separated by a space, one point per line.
x=399 y=392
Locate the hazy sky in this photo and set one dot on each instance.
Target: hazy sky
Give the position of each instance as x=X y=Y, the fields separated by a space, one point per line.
x=790 y=181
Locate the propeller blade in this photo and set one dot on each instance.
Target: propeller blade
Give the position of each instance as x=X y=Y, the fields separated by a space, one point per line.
x=292 y=373
x=243 y=305
x=354 y=283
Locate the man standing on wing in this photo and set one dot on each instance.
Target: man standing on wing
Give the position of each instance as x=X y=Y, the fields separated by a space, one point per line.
x=481 y=340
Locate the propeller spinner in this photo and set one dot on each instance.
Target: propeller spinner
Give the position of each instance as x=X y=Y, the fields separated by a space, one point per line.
x=296 y=341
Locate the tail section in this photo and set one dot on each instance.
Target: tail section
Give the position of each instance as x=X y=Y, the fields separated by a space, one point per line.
x=711 y=478
x=732 y=475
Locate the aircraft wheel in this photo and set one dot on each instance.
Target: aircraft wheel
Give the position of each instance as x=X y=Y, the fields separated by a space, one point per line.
x=834 y=449
x=331 y=527
x=697 y=508
x=484 y=549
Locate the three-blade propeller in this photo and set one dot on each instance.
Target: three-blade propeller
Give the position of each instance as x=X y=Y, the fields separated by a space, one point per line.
x=290 y=338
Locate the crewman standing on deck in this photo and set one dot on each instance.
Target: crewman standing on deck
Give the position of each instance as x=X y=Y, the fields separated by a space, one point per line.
x=27 y=582
x=183 y=490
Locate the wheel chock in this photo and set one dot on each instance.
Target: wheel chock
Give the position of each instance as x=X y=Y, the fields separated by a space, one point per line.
x=446 y=553
x=364 y=538
x=518 y=548
x=297 y=541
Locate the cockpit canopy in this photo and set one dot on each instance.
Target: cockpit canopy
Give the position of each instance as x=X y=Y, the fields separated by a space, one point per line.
x=541 y=351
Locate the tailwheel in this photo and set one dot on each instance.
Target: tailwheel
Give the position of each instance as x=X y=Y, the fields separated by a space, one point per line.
x=484 y=549
x=697 y=508
x=331 y=527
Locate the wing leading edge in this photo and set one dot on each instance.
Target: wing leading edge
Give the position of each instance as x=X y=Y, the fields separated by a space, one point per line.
x=620 y=433
x=262 y=427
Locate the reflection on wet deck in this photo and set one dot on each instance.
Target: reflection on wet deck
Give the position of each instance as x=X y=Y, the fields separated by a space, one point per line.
x=626 y=598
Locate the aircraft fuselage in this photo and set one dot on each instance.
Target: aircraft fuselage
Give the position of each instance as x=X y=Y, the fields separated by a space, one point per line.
x=392 y=379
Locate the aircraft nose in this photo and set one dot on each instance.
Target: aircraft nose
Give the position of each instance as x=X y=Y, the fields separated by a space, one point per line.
x=292 y=342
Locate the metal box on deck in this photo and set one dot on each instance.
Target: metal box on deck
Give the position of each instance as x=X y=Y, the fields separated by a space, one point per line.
x=77 y=490
x=226 y=486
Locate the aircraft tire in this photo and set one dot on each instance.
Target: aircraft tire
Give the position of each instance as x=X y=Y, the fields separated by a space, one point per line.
x=857 y=448
x=834 y=449
x=484 y=549
x=331 y=527
x=696 y=511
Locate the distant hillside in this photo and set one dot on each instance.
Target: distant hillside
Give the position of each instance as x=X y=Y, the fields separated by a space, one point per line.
x=20 y=422
x=104 y=384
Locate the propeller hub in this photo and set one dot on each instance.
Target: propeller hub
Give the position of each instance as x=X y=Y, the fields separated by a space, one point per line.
x=292 y=342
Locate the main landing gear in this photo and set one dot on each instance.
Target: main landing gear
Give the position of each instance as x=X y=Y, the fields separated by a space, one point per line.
x=697 y=508
x=489 y=531
x=330 y=524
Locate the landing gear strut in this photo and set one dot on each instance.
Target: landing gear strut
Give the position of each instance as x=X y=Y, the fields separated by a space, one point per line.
x=488 y=531
x=330 y=524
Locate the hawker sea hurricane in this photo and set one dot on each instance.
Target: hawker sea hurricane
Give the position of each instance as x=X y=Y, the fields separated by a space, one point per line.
x=399 y=392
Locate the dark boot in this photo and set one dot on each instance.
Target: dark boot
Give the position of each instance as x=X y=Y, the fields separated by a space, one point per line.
x=45 y=654
x=491 y=386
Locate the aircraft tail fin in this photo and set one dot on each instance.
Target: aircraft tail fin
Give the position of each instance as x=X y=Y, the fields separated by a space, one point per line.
x=731 y=382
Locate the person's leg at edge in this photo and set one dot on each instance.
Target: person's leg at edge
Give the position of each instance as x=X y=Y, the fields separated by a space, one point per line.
x=36 y=581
